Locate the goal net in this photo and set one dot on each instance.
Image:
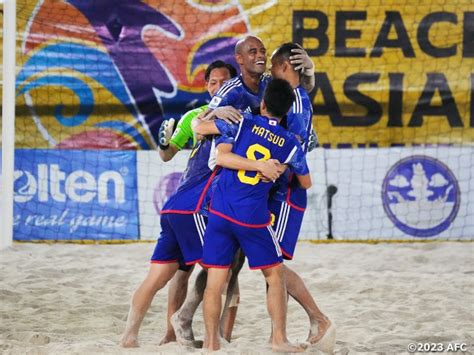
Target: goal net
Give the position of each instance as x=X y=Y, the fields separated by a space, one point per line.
x=393 y=110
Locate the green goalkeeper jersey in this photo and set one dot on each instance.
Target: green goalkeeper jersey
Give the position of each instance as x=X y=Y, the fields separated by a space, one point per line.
x=184 y=132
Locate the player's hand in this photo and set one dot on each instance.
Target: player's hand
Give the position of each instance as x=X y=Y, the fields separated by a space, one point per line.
x=228 y=114
x=270 y=170
x=302 y=61
x=165 y=133
x=312 y=140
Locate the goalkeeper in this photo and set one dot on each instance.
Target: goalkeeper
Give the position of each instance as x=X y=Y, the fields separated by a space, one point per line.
x=217 y=73
x=170 y=143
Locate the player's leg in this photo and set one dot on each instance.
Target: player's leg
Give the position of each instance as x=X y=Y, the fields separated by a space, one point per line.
x=183 y=318
x=177 y=290
x=263 y=252
x=297 y=289
x=158 y=276
x=190 y=239
x=218 y=252
x=287 y=226
x=232 y=297
x=277 y=307
x=165 y=262
x=212 y=305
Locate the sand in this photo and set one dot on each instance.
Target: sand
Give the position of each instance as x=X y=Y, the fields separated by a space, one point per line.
x=73 y=299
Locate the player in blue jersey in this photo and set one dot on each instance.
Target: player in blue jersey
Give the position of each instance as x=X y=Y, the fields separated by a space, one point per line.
x=288 y=200
x=245 y=91
x=180 y=242
x=217 y=73
x=239 y=215
x=243 y=94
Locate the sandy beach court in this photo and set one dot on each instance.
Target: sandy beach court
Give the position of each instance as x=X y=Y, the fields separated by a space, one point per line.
x=73 y=299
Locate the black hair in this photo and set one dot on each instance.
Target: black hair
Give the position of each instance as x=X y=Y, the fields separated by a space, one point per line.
x=283 y=52
x=220 y=64
x=278 y=97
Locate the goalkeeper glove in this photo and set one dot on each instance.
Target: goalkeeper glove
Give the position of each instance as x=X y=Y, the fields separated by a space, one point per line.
x=165 y=133
x=312 y=140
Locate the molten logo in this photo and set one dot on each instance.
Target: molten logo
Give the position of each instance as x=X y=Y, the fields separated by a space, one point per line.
x=79 y=186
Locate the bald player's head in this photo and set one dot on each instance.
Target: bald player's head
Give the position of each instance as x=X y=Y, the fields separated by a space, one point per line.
x=251 y=55
x=242 y=43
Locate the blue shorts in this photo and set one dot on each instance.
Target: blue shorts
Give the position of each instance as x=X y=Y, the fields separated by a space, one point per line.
x=223 y=238
x=180 y=239
x=287 y=226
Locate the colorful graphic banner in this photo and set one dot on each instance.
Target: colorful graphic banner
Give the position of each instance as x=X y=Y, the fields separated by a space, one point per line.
x=104 y=74
x=75 y=195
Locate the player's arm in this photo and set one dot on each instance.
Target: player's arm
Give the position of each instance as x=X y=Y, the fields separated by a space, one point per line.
x=204 y=127
x=271 y=169
x=172 y=144
x=166 y=150
x=227 y=113
x=167 y=153
x=303 y=62
x=304 y=181
x=299 y=166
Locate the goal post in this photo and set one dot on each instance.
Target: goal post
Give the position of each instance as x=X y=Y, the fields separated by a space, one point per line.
x=8 y=121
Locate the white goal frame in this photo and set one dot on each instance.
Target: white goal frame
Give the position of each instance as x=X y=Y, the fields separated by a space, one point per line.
x=8 y=121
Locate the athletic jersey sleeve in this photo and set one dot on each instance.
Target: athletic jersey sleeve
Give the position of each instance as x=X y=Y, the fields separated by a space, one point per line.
x=228 y=99
x=230 y=132
x=226 y=129
x=227 y=95
x=184 y=132
x=299 y=118
x=297 y=161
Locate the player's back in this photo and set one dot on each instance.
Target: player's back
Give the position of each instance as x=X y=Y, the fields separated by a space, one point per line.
x=241 y=195
x=299 y=122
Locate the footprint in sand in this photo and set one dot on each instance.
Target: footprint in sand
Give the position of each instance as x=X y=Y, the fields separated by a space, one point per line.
x=39 y=339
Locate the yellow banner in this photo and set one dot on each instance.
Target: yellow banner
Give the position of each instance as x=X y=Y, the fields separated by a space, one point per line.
x=105 y=74
x=396 y=72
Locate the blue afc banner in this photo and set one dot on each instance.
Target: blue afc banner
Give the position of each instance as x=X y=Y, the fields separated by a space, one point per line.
x=75 y=195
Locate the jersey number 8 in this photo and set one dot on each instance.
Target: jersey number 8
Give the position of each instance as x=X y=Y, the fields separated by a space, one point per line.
x=254 y=148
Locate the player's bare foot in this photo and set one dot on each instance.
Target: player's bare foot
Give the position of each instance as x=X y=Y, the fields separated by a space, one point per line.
x=129 y=341
x=168 y=338
x=317 y=329
x=287 y=347
x=325 y=339
x=183 y=331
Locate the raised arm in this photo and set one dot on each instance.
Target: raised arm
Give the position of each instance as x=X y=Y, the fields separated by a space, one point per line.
x=303 y=62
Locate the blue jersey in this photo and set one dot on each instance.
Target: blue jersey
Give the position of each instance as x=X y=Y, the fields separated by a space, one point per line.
x=235 y=93
x=195 y=181
x=299 y=121
x=241 y=196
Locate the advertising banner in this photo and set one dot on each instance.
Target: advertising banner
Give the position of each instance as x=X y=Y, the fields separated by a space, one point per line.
x=103 y=75
x=75 y=195
x=402 y=193
x=157 y=181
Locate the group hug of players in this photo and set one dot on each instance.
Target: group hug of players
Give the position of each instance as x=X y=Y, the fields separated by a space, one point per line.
x=243 y=194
